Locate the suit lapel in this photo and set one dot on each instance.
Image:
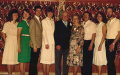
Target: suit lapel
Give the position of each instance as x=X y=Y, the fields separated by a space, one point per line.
x=37 y=21
x=68 y=25
x=63 y=24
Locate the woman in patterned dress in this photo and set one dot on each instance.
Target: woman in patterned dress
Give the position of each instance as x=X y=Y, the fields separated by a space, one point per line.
x=75 y=56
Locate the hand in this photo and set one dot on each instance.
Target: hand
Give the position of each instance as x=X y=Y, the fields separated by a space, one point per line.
x=100 y=48
x=58 y=47
x=111 y=47
x=19 y=50
x=78 y=50
x=47 y=46
x=90 y=47
x=35 y=49
x=3 y=44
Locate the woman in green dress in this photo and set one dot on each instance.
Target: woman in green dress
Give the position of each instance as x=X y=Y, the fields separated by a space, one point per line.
x=23 y=41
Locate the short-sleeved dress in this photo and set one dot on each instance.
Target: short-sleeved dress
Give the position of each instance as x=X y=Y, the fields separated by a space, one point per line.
x=76 y=39
x=24 y=55
x=10 y=54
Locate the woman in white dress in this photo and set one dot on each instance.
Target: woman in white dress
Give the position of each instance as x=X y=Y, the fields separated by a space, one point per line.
x=99 y=58
x=48 y=45
x=10 y=54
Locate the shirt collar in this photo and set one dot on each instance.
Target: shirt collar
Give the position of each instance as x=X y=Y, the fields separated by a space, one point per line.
x=37 y=17
x=84 y=23
x=88 y=21
x=48 y=18
x=112 y=19
x=64 y=21
x=13 y=23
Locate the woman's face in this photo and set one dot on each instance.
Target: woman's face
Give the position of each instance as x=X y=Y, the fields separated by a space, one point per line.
x=50 y=14
x=86 y=17
x=99 y=17
x=75 y=19
x=25 y=15
x=15 y=16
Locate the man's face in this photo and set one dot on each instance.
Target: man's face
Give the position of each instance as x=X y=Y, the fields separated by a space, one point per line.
x=65 y=16
x=38 y=12
x=109 y=12
x=86 y=17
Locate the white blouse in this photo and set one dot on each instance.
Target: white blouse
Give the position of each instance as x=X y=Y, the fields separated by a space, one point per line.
x=113 y=27
x=89 y=28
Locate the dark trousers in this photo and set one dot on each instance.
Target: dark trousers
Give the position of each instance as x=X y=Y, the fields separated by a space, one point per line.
x=58 y=58
x=87 y=59
x=110 y=58
x=34 y=62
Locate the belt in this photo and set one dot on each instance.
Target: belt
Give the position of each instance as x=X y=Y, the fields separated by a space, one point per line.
x=25 y=35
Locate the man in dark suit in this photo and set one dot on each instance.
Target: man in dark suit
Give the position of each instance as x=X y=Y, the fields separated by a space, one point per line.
x=36 y=40
x=62 y=37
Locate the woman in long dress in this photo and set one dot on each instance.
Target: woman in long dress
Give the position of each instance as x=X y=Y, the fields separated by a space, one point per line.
x=48 y=45
x=99 y=57
x=75 y=55
x=9 y=31
x=23 y=41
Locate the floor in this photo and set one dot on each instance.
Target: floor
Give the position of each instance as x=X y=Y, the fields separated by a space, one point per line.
x=17 y=73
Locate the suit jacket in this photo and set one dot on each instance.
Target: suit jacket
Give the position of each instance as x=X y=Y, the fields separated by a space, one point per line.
x=35 y=33
x=62 y=34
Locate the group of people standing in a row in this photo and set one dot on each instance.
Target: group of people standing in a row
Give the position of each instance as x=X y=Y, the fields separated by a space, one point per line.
x=79 y=44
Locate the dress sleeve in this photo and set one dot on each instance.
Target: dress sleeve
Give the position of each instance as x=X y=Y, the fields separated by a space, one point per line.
x=44 y=32
x=118 y=25
x=4 y=28
x=20 y=25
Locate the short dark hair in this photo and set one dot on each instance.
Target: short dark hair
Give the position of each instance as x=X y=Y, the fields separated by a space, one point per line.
x=37 y=7
x=49 y=9
x=90 y=15
x=26 y=10
x=11 y=12
x=76 y=14
x=112 y=8
x=104 y=19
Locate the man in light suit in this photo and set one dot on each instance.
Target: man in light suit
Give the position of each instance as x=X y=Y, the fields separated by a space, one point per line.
x=36 y=40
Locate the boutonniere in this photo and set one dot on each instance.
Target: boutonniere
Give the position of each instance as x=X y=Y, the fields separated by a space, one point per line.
x=70 y=24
